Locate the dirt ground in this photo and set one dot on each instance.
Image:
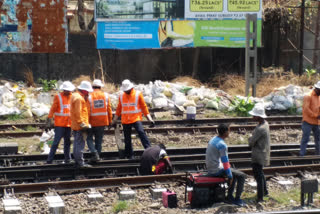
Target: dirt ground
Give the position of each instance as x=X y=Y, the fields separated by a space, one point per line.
x=77 y=202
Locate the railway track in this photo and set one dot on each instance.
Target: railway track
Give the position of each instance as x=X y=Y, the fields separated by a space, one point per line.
x=238 y=120
x=84 y=183
x=103 y=174
x=168 y=130
x=176 y=126
x=120 y=168
x=11 y=160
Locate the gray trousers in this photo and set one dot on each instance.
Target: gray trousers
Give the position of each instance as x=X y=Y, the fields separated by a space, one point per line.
x=78 y=147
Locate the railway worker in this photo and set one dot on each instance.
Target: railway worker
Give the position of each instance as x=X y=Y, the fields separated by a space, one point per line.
x=217 y=163
x=310 y=119
x=155 y=161
x=260 y=145
x=60 y=111
x=80 y=120
x=130 y=107
x=100 y=117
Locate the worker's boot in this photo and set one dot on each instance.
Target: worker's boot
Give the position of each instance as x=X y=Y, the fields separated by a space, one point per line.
x=95 y=157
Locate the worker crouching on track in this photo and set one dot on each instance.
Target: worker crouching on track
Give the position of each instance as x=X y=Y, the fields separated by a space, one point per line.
x=155 y=161
x=130 y=107
x=217 y=163
x=80 y=121
x=60 y=111
x=260 y=145
x=310 y=119
x=100 y=116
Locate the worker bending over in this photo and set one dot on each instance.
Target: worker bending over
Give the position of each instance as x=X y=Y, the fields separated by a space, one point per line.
x=155 y=161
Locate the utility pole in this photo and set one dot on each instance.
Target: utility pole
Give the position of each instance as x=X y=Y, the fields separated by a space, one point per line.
x=301 y=37
x=251 y=54
x=316 y=40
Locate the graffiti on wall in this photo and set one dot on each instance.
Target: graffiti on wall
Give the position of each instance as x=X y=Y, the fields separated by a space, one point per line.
x=28 y=26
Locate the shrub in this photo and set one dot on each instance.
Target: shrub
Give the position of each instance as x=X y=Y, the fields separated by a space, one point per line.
x=47 y=85
x=120 y=206
x=242 y=106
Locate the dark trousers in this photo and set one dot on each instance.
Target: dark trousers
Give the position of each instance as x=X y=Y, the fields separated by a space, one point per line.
x=97 y=132
x=127 y=128
x=260 y=179
x=65 y=133
x=239 y=178
x=306 y=130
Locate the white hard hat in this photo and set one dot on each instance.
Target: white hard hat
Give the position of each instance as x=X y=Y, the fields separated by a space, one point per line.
x=97 y=83
x=258 y=111
x=67 y=86
x=317 y=85
x=126 y=85
x=86 y=86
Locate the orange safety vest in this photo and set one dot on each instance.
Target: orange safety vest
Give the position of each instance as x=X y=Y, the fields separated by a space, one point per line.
x=79 y=111
x=98 y=108
x=131 y=111
x=62 y=117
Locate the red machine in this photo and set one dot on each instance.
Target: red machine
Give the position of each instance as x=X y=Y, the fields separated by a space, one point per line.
x=205 y=191
x=169 y=199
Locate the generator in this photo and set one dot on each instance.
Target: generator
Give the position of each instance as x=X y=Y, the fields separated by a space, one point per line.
x=202 y=190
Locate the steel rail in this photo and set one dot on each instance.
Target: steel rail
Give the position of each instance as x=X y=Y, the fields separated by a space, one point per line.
x=179 y=122
x=105 y=169
x=135 y=180
x=166 y=130
x=289 y=148
x=310 y=211
x=238 y=162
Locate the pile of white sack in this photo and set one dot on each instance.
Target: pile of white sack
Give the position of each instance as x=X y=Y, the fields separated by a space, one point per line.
x=285 y=98
x=27 y=102
x=158 y=94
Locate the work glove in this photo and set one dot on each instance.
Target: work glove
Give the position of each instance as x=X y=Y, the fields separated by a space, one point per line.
x=153 y=124
x=85 y=126
x=49 y=123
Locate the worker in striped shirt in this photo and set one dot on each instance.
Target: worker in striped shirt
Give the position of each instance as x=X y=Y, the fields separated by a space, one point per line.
x=218 y=165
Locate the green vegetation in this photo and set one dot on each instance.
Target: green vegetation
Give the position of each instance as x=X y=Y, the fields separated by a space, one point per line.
x=310 y=72
x=292 y=110
x=285 y=197
x=13 y=117
x=31 y=129
x=47 y=85
x=120 y=206
x=242 y=106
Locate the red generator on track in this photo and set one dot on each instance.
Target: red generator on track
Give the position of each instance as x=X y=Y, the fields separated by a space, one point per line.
x=203 y=190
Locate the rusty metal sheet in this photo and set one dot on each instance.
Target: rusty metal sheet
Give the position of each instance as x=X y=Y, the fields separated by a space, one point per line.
x=33 y=26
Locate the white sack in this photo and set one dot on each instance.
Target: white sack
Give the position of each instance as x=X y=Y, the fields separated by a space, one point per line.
x=160 y=102
x=148 y=100
x=212 y=104
x=4 y=110
x=179 y=98
x=40 y=109
x=44 y=97
x=279 y=101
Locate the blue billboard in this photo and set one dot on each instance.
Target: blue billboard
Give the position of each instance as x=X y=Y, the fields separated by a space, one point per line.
x=127 y=35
